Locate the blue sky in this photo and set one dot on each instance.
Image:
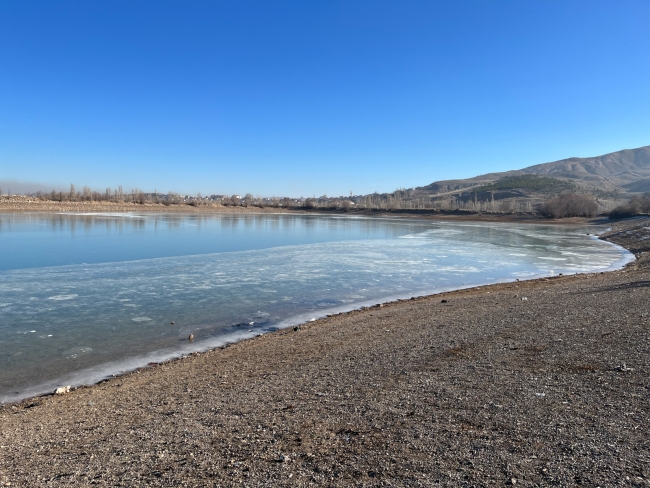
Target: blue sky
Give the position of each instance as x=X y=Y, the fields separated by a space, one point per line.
x=311 y=98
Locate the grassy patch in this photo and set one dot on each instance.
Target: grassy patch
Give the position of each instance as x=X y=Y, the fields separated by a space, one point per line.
x=529 y=182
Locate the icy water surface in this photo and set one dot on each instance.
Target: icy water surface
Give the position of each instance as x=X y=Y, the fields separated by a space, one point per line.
x=86 y=296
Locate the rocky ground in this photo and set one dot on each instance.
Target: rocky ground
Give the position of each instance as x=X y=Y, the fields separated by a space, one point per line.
x=539 y=383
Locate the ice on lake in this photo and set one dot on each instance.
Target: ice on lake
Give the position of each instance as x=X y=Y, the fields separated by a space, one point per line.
x=225 y=279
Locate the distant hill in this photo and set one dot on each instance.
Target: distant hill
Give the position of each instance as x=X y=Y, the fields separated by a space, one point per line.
x=611 y=179
x=625 y=171
x=613 y=170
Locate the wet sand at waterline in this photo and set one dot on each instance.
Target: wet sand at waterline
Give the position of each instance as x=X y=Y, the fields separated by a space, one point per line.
x=535 y=383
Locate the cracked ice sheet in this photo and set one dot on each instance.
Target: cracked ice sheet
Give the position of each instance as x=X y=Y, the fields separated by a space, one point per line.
x=85 y=329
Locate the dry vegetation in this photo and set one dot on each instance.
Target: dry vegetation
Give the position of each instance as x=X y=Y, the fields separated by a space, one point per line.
x=506 y=196
x=637 y=205
x=570 y=205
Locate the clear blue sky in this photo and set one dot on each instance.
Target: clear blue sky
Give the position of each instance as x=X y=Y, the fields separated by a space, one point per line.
x=314 y=97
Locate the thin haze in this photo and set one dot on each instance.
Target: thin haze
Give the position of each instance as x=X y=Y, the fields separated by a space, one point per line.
x=311 y=98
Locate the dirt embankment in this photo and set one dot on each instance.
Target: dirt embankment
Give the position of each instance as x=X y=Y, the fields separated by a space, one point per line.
x=533 y=383
x=31 y=204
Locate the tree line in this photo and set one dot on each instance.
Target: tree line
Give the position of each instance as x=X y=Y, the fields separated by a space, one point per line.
x=564 y=205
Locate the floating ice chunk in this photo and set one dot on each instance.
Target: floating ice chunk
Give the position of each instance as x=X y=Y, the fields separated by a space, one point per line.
x=62 y=297
x=141 y=319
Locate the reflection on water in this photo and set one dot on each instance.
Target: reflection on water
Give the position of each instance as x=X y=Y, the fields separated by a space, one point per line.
x=95 y=294
x=38 y=240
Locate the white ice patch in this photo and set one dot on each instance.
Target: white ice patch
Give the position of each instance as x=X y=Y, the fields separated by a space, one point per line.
x=141 y=319
x=62 y=297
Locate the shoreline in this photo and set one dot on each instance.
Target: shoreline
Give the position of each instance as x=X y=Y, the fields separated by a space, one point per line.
x=107 y=371
x=99 y=373
x=303 y=320
x=27 y=205
x=343 y=325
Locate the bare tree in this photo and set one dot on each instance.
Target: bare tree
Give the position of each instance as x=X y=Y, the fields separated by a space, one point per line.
x=637 y=205
x=310 y=203
x=570 y=205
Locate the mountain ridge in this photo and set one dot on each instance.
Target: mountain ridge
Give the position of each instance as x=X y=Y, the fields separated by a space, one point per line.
x=624 y=171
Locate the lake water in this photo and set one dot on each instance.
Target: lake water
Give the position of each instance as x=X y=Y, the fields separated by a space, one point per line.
x=86 y=296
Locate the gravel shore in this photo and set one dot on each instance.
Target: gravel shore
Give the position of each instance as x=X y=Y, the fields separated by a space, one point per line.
x=535 y=383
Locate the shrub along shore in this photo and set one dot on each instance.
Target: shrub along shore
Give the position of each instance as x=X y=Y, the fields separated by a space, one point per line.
x=21 y=204
x=538 y=382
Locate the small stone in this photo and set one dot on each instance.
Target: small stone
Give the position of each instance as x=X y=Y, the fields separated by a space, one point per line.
x=443 y=301
x=296 y=328
x=191 y=338
x=172 y=323
x=62 y=390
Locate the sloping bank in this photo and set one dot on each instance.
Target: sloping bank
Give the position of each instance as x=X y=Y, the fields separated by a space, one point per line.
x=533 y=383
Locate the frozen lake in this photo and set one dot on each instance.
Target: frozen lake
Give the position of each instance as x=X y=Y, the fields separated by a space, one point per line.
x=86 y=296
